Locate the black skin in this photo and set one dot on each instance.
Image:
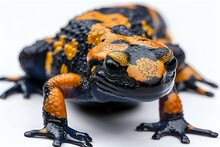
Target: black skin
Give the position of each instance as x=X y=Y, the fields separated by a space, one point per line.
x=32 y=61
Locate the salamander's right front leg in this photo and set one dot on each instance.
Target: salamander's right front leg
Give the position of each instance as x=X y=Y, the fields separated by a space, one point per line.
x=54 y=112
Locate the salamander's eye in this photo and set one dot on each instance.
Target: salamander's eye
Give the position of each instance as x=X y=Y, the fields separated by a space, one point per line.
x=112 y=68
x=171 y=64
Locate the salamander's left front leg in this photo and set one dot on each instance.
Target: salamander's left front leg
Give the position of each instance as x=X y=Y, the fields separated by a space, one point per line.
x=187 y=77
x=172 y=121
x=54 y=112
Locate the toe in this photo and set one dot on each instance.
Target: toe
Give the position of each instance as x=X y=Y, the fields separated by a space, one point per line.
x=33 y=133
x=57 y=143
x=85 y=136
x=148 y=126
x=157 y=135
x=185 y=140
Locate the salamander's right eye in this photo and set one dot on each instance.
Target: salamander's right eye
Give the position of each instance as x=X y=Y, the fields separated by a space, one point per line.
x=112 y=68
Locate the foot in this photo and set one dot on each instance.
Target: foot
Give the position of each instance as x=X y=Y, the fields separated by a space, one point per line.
x=186 y=80
x=178 y=128
x=62 y=134
x=24 y=85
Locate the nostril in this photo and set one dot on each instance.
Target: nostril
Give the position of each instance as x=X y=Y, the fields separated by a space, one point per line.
x=171 y=64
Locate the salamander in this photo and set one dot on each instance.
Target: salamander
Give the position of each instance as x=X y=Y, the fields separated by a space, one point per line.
x=112 y=54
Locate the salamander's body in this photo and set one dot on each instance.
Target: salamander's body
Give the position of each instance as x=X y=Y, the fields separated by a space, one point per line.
x=120 y=54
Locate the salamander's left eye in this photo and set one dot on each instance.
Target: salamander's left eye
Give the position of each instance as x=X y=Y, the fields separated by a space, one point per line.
x=111 y=67
x=171 y=64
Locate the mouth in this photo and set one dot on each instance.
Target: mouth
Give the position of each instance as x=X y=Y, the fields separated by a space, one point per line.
x=107 y=89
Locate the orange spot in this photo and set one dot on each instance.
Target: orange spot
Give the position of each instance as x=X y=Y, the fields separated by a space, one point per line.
x=190 y=127
x=180 y=67
x=48 y=62
x=147 y=28
x=48 y=40
x=63 y=69
x=58 y=45
x=201 y=91
x=70 y=49
x=57 y=49
x=43 y=130
x=173 y=104
x=146 y=69
x=93 y=68
x=13 y=78
x=126 y=6
x=164 y=40
x=108 y=20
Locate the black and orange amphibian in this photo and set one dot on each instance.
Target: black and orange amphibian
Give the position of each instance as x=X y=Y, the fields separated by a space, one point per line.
x=116 y=54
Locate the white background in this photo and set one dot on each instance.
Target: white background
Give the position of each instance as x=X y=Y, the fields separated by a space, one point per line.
x=193 y=24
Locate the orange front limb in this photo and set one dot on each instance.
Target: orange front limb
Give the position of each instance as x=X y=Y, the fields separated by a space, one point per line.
x=54 y=112
x=170 y=106
x=54 y=103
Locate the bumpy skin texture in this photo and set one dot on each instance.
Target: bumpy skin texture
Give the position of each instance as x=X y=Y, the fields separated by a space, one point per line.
x=120 y=54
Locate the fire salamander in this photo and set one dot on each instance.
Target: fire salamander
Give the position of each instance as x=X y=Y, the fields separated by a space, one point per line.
x=115 y=54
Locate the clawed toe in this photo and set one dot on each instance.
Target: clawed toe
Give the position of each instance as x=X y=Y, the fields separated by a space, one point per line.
x=178 y=128
x=62 y=134
x=148 y=126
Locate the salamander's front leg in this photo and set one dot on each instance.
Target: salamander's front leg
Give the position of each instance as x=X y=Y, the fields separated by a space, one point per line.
x=54 y=112
x=187 y=77
x=24 y=85
x=172 y=121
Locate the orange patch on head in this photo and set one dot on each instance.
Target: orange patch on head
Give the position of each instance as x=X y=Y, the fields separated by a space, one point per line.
x=100 y=51
x=173 y=104
x=108 y=20
x=119 y=57
x=102 y=38
x=146 y=69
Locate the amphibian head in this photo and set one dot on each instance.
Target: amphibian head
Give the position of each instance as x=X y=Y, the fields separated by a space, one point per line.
x=136 y=72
